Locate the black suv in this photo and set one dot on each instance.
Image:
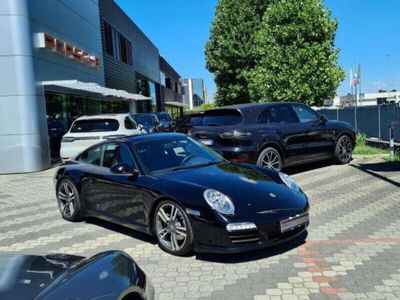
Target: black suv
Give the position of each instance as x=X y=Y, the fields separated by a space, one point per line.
x=275 y=135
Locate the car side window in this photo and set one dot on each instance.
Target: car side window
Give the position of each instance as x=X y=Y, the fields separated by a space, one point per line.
x=115 y=153
x=92 y=156
x=130 y=124
x=305 y=114
x=282 y=114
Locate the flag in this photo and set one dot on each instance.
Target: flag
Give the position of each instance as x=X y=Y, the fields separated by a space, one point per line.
x=351 y=77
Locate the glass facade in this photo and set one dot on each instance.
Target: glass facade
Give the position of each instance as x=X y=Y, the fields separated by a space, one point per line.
x=174 y=111
x=63 y=109
x=198 y=92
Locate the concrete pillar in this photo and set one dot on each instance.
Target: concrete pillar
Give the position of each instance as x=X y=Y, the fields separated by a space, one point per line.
x=23 y=125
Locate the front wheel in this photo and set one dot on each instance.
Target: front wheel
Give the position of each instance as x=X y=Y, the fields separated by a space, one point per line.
x=270 y=158
x=68 y=200
x=343 y=150
x=173 y=229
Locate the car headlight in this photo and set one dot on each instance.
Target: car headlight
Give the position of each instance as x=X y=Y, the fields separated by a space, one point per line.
x=289 y=181
x=220 y=202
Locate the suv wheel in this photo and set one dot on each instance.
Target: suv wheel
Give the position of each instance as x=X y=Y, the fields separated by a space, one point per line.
x=343 y=150
x=270 y=158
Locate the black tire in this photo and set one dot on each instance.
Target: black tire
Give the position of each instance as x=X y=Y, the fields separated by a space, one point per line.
x=174 y=241
x=270 y=158
x=67 y=195
x=343 y=150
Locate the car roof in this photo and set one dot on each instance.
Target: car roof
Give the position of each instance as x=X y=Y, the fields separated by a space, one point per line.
x=104 y=116
x=251 y=106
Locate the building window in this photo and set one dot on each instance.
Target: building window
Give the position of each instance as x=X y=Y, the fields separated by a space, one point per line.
x=126 y=50
x=108 y=38
x=116 y=45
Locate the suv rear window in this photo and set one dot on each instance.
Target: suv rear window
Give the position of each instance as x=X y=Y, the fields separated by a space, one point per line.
x=222 y=117
x=95 y=125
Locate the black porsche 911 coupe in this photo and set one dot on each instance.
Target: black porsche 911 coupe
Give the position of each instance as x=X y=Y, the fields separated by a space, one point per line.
x=108 y=276
x=184 y=193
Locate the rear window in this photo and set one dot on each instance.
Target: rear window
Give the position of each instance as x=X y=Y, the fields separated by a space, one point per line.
x=194 y=120
x=222 y=117
x=95 y=125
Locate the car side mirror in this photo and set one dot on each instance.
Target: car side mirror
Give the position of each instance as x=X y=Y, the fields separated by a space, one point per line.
x=123 y=168
x=322 y=120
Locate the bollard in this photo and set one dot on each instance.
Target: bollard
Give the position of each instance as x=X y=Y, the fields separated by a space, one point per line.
x=391 y=136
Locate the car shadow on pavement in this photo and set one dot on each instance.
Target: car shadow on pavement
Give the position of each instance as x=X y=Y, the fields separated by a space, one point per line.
x=379 y=170
x=122 y=230
x=254 y=255
x=308 y=167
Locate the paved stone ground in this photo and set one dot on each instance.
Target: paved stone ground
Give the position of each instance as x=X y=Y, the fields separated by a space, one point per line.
x=352 y=249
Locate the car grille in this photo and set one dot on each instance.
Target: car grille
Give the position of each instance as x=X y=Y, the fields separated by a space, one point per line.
x=244 y=237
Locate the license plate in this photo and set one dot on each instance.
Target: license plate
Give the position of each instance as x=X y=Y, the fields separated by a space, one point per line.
x=294 y=222
x=207 y=142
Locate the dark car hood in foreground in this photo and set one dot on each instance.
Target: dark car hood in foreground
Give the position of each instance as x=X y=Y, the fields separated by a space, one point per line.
x=251 y=191
x=60 y=276
x=26 y=276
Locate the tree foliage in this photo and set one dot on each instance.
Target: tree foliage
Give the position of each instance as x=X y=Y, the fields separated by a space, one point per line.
x=229 y=51
x=296 y=56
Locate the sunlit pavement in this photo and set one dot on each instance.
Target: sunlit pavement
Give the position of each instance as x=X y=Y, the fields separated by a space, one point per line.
x=352 y=249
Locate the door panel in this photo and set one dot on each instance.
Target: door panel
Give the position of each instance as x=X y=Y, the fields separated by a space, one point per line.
x=117 y=196
x=319 y=139
x=282 y=122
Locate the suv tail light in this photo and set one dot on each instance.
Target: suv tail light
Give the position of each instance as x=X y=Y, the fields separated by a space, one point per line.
x=236 y=135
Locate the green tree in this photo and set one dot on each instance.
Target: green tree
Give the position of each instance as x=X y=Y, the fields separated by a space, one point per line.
x=229 y=51
x=296 y=55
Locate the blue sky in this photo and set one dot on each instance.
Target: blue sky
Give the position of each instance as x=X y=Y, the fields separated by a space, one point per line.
x=368 y=34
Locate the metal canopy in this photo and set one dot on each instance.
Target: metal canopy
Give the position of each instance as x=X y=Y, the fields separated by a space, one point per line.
x=175 y=103
x=90 y=89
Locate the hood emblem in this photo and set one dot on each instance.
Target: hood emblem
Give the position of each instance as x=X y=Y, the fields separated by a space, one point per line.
x=272 y=195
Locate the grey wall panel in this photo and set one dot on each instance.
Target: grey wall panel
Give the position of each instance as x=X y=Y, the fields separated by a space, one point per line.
x=23 y=124
x=145 y=54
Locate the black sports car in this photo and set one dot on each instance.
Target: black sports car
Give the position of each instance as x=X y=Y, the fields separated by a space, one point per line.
x=108 y=275
x=183 y=192
x=149 y=122
x=186 y=122
x=166 y=122
x=275 y=135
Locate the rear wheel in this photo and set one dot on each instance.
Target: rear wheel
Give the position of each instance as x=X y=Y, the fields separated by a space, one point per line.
x=343 y=150
x=173 y=228
x=68 y=200
x=270 y=158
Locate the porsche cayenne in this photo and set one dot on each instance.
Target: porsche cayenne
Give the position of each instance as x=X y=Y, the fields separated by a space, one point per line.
x=184 y=193
x=275 y=135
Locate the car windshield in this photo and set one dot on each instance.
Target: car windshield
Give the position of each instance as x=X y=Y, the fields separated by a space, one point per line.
x=173 y=154
x=164 y=117
x=143 y=119
x=94 y=125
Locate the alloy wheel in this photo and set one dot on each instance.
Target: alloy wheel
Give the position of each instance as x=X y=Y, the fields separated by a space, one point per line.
x=271 y=160
x=67 y=198
x=171 y=227
x=345 y=149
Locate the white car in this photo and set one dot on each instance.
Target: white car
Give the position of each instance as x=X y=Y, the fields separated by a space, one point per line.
x=89 y=130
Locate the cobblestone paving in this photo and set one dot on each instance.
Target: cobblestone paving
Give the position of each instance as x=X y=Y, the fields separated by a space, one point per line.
x=351 y=252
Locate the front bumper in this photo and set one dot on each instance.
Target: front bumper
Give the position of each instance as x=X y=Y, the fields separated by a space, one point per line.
x=213 y=237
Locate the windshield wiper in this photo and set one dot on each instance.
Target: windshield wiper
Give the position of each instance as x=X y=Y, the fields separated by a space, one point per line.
x=195 y=166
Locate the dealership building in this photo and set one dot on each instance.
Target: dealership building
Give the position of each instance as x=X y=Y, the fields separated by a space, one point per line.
x=61 y=59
